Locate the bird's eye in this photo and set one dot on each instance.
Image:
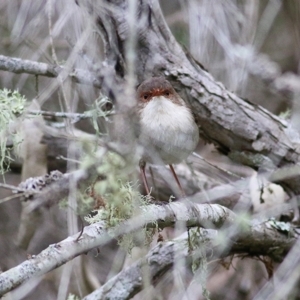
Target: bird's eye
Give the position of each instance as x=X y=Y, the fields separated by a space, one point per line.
x=167 y=93
x=145 y=97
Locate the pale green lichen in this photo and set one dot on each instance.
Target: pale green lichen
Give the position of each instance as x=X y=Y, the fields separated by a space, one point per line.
x=73 y=297
x=120 y=206
x=84 y=203
x=121 y=197
x=98 y=111
x=256 y=160
x=243 y=221
x=12 y=104
x=280 y=226
x=198 y=247
x=285 y=114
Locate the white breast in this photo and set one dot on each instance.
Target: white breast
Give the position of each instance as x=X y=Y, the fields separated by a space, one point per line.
x=168 y=131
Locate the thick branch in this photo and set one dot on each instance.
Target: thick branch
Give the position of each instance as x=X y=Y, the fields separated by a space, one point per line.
x=129 y=282
x=211 y=216
x=228 y=195
x=245 y=132
x=162 y=257
x=56 y=191
x=256 y=240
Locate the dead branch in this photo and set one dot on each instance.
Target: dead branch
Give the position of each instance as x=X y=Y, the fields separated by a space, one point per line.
x=17 y=65
x=162 y=257
x=245 y=132
x=95 y=235
x=255 y=240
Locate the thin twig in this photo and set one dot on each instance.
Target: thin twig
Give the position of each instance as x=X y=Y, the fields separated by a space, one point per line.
x=76 y=117
x=81 y=231
x=11 y=197
x=12 y=187
x=214 y=166
x=54 y=56
x=67 y=159
x=17 y=65
x=53 y=114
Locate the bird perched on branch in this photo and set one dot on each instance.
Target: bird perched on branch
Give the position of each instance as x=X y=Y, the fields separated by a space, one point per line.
x=168 y=132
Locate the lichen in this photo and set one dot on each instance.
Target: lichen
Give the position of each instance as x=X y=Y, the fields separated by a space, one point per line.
x=98 y=110
x=73 y=297
x=121 y=200
x=285 y=114
x=255 y=160
x=198 y=247
x=12 y=104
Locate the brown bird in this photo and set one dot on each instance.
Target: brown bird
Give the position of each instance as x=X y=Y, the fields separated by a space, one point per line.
x=168 y=132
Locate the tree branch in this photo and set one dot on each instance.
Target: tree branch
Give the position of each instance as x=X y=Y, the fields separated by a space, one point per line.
x=261 y=239
x=247 y=133
x=163 y=256
x=212 y=216
x=159 y=260
x=228 y=195
x=17 y=65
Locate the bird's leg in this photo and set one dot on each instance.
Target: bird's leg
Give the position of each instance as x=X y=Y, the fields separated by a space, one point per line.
x=177 y=181
x=142 y=169
x=153 y=182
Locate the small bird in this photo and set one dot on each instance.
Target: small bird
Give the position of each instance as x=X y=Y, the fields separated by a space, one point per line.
x=168 y=132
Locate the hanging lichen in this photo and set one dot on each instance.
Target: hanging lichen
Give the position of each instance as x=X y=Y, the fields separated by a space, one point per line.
x=198 y=247
x=12 y=104
x=118 y=200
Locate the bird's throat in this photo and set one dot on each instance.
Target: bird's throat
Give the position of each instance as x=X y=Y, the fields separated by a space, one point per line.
x=169 y=129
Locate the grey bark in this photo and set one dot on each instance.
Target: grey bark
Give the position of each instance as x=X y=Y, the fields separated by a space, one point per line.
x=212 y=216
x=260 y=239
x=161 y=258
x=245 y=132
